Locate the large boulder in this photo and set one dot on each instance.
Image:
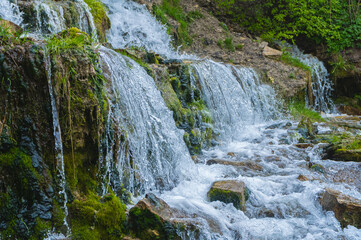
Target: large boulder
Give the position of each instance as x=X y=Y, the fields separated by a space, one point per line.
x=229 y=191
x=347 y=209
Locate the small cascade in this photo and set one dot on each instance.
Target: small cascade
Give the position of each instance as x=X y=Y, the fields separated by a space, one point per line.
x=49 y=17
x=151 y=154
x=10 y=11
x=322 y=86
x=58 y=144
x=235 y=96
x=133 y=25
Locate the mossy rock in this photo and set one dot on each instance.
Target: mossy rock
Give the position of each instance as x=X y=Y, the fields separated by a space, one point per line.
x=97 y=218
x=151 y=218
x=347 y=209
x=306 y=128
x=229 y=191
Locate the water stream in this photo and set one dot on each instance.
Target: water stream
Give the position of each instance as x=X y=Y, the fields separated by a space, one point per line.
x=152 y=154
x=10 y=11
x=322 y=86
x=246 y=115
x=49 y=18
x=58 y=145
x=149 y=153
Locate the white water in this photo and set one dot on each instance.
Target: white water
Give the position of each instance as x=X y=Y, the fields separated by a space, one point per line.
x=280 y=205
x=235 y=97
x=155 y=156
x=133 y=25
x=49 y=17
x=10 y=11
x=58 y=144
x=322 y=86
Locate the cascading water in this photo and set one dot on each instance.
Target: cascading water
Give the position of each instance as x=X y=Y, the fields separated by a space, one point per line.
x=133 y=25
x=58 y=144
x=235 y=96
x=10 y=11
x=156 y=156
x=321 y=83
x=243 y=110
x=49 y=17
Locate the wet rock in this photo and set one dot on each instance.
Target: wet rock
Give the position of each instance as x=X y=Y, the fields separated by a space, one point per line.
x=247 y=164
x=229 y=191
x=306 y=128
x=232 y=154
x=347 y=209
x=303 y=145
x=153 y=218
x=347 y=155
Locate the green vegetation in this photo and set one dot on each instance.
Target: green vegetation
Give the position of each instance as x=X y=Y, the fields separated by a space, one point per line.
x=96 y=218
x=335 y=23
x=224 y=26
x=189 y=110
x=288 y=59
x=298 y=110
x=10 y=36
x=172 y=8
x=69 y=39
x=228 y=44
x=101 y=20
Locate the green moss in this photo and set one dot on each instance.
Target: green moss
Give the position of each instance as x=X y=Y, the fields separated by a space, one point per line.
x=147 y=225
x=41 y=229
x=101 y=20
x=96 y=218
x=215 y=194
x=189 y=110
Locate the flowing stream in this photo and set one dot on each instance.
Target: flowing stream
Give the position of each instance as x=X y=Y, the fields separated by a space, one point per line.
x=155 y=156
x=322 y=86
x=49 y=18
x=149 y=153
x=58 y=144
x=10 y=11
x=246 y=114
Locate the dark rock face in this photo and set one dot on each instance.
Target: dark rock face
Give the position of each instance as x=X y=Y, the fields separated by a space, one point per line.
x=347 y=209
x=28 y=184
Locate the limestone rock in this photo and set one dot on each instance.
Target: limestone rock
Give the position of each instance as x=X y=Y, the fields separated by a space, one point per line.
x=347 y=209
x=229 y=191
x=271 y=52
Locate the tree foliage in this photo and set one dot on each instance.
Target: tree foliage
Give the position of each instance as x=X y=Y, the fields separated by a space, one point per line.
x=336 y=23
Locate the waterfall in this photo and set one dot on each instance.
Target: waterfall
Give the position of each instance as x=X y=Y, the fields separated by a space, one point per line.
x=133 y=25
x=152 y=155
x=58 y=143
x=322 y=86
x=235 y=96
x=49 y=17
x=10 y=11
